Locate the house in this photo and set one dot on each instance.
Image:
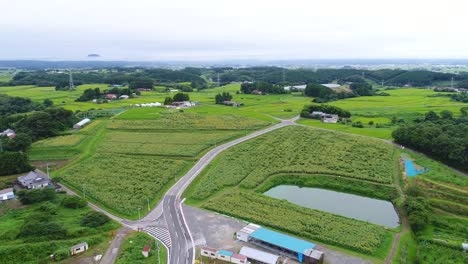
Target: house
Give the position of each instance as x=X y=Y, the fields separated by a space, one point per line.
x=34 y=180
x=79 y=248
x=326 y=118
x=81 y=123
x=234 y=104
x=238 y=259
x=111 y=96
x=7 y=194
x=208 y=252
x=124 y=97
x=224 y=255
x=257 y=92
x=8 y=133
x=146 y=251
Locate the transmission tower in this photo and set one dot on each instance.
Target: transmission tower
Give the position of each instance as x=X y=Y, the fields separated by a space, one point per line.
x=71 y=86
x=218 y=80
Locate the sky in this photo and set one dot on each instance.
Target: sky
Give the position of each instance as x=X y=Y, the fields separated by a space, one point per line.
x=152 y=30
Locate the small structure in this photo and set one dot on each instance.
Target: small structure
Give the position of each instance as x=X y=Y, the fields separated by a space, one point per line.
x=234 y=104
x=313 y=256
x=324 y=117
x=124 y=97
x=295 y=87
x=143 y=89
x=255 y=255
x=146 y=251
x=465 y=247
x=238 y=259
x=8 y=133
x=224 y=255
x=7 y=194
x=331 y=85
x=257 y=92
x=79 y=248
x=81 y=123
x=244 y=233
x=111 y=96
x=184 y=104
x=208 y=252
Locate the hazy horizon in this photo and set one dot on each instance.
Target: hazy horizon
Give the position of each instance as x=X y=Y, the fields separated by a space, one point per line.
x=207 y=30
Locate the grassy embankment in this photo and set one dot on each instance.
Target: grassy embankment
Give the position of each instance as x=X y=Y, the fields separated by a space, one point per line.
x=130 y=251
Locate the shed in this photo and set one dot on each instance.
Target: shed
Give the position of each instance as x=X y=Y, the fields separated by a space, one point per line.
x=146 y=250
x=238 y=259
x=224 y=255
x=81 y=123
x=79 y=248
x=244 y=233
x=260 y=256
x=7 y=194
x=208 y=252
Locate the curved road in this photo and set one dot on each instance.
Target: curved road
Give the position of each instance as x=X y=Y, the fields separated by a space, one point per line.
x=183 y=248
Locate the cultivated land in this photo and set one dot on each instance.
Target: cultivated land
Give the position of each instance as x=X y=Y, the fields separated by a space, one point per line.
x=17 y=248
x=113 y=162
x=233 y=183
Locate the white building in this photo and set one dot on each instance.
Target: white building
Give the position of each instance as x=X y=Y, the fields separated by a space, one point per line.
x=224 y=255
x=124 y=97
x=81 y=123
x=260 y=256
x=244 y=233
x=208 y=252
x=79 y=248
x=295 y=87
x=331 y=85
x=7 y=194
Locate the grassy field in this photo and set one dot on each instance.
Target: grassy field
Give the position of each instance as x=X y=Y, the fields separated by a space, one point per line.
x=234 y=182
x=18 y=249
x=297 y=150
x=130 y=252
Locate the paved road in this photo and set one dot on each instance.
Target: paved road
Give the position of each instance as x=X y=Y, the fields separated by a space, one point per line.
x=182 y=246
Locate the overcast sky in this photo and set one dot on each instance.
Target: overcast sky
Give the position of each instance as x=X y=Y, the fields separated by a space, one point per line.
x=234 y=29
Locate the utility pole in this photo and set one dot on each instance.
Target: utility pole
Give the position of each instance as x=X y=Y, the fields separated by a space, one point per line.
x=157 y=246
x=147 y=199
x=219 y=83
x=451 y=83
x=71 y=85
x=48 y=170
x=139 y=217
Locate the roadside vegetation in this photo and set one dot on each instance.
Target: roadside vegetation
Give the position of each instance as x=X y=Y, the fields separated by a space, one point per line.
x=130 y=251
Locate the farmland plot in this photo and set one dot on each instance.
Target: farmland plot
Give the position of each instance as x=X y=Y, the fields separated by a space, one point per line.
x=190 y=121
x=60 y=141
x=297 y=150
x=123 y=182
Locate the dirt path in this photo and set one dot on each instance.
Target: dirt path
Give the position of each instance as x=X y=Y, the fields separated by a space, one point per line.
x=403 y=216
x=112 y=251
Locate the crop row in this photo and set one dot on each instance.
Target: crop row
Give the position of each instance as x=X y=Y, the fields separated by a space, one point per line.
x=60 y=141
x=191 y=121
x=306 y=223
x=123 y=182
x=297 y=150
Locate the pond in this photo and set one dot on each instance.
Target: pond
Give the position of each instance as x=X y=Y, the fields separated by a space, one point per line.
x=411 y=170
x=374 y=211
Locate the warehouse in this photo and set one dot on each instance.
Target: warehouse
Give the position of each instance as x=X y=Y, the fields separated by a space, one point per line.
x=258 y=256
x=282 y=244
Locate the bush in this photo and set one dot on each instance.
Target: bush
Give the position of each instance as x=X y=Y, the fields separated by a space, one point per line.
x=62 y=253
x=94 y=219
x=49 y=208
x=358 y=124
x=40 y=226
x=73 y=202
x=36 y=195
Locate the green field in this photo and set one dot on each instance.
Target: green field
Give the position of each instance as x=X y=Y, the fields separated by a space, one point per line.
x=130 y=252
x=16 y=248
x=234 y=182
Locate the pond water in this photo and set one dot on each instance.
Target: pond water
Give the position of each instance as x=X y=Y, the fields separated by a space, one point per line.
x=349 y=205
x=411 y=170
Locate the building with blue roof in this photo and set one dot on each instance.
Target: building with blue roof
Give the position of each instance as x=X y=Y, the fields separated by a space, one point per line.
x=224 y=255
x=281 y=242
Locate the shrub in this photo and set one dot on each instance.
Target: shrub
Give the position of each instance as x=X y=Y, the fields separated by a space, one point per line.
x=48 y=208
x=73 y=202
x=62 y=253
x=36 y=195
x=358 y=124
x=94 y=219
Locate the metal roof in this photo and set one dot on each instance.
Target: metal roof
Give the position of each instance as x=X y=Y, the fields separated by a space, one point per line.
x=7 y=190
x=224 y=252
x=282 y=240
x=259 y=255
x=83 y=122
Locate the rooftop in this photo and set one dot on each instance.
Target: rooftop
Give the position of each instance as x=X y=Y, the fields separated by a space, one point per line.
x=7 y=190
x=224 y=252
x=84 y=244
x=259 y=255
x=282 y=240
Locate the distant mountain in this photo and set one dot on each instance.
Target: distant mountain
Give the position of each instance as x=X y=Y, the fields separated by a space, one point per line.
x=93 y=55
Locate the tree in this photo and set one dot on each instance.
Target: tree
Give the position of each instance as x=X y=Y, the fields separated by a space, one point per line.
x=142 y=83
x=317 y=90
x=13 y=163
x=72 y=201
x=180 y=97
x=431 y=116
x=21 y=142
x=168 y=101
x=221 y=97
x=445 y=114
x=36 y=195
x=362 y=89
x=94 y=219
x=419 y=211
x=48 y=103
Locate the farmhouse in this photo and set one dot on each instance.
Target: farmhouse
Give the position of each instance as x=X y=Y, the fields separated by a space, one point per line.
x=146 y=251
x=111 y=96
x=208 y=252
x=79 y=248
x=8 y=133
x=7 y=194
x=326 y=118
x=255 y=255
x=281 y=243
x=34 y=180
x=81 y=123
x=295 y=87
